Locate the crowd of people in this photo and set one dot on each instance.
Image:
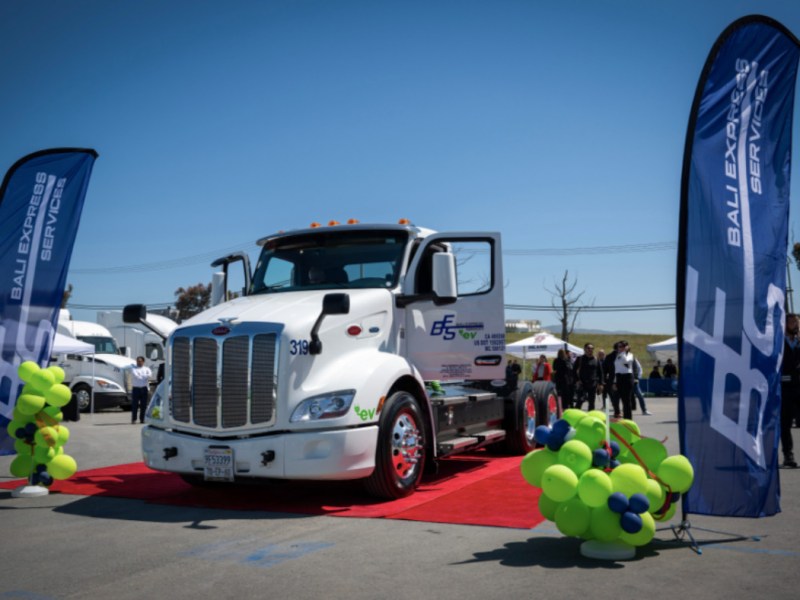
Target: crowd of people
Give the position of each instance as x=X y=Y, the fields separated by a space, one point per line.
x=612 y=377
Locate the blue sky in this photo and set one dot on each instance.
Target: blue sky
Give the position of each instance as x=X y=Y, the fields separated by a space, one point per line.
x=560 y=125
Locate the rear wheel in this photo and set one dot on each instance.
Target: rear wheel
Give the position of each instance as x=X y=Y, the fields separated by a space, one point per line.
x=400 y=455
x=536 y=404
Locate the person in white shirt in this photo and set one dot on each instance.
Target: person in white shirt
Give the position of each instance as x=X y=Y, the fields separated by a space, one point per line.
x=140 y=380
x=623 y=377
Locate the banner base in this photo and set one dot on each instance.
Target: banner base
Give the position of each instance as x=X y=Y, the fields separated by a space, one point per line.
x=29 y=491
x=684 y=530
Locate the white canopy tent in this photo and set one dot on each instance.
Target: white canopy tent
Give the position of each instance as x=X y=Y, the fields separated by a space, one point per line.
x=661 y=351
x=63 y=344
x=541 y=343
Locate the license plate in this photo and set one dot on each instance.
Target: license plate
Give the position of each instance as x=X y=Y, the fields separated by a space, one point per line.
x=218 y=464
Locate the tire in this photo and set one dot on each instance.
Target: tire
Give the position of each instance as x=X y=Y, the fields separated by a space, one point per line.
x=536 y=404
x=400 y=453
x=83 y=397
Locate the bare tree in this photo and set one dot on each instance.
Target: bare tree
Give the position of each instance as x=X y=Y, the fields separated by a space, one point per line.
x=564 y=300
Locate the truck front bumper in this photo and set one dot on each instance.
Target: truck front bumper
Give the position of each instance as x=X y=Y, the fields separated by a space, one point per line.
x=338 y=454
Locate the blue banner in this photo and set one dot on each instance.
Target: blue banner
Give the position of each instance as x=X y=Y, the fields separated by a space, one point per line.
x=40 y=206
x=732 y=269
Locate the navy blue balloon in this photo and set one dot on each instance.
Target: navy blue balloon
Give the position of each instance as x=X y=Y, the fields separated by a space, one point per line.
x=675 y=496
x=614 y=449
x=542 y=434
x=556 y=438
x=561 y=426
x=614 y=463
x=618 y=502
x=20 y=433
x=35 y=478
x=639 y=503
x=631 y=522
x=600 y=458
x=46 y=479
x=40 y=468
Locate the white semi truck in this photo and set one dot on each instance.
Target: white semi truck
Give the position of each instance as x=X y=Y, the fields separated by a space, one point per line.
x=102 y=372
x=135 y=340
x=359 y=352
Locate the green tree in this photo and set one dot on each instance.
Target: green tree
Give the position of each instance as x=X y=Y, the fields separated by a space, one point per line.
x=192 y=300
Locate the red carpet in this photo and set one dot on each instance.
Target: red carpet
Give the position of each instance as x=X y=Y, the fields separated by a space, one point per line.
x=477 y=489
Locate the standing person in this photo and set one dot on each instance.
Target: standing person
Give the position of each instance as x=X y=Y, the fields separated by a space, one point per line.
x=608 y=371
x=601 y=356
x=589 y=375
x=512 y=376
x=670 y=370
x=623 y=377
x=541 y=370
x=637 y=390
x=563 y=377
x=790 y=387
x=140 y=380
x=655 y=373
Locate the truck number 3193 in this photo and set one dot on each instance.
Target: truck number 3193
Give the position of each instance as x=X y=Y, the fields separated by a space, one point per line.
x=298 y=347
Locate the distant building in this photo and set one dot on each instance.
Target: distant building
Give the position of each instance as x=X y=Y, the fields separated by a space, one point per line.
x=523 y=326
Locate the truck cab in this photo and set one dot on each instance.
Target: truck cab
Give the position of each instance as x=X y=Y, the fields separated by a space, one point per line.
x=97 y=380
x=359 y=352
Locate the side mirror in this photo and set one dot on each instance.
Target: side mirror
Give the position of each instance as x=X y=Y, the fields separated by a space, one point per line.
x=444 y=277
x=332 y=304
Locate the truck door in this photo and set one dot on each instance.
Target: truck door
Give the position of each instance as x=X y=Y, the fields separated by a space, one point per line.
x=461 y=338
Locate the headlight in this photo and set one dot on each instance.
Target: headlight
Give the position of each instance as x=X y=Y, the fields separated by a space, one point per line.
x=155 y=411
x=325 y=406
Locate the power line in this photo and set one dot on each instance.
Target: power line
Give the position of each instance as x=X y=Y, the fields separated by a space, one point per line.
x=609 y=308
x=214 y=254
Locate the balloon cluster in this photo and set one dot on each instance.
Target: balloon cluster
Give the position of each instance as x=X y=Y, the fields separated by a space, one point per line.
x=36 y=426
x=610 y=491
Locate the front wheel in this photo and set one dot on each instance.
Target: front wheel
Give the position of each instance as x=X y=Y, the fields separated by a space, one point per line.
x=400 y=455
x=83 y=397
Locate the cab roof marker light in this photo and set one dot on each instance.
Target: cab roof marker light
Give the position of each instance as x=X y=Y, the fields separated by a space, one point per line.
x=314 y=225
x=404 y=222
x=352 y=221
x=331 y=223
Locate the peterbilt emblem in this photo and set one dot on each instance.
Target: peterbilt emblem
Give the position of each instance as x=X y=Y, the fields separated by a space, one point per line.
x=221 y=330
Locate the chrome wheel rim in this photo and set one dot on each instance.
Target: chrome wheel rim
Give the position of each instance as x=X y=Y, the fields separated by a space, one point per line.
x=406 y=447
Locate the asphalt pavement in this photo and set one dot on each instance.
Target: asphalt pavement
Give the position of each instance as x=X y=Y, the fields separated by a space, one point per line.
x=60 y=546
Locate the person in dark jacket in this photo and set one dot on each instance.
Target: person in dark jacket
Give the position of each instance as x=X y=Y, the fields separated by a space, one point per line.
x=790 y=387
x=589 y=376
x=608 y=373
x=564 y=378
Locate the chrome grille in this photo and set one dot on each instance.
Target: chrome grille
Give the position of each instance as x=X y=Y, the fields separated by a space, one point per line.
x=224 y=382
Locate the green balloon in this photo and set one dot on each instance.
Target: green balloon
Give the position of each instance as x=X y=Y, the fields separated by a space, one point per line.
x=668 y=515
x=54 y=412
x=22 y=465
x=656 y=494
x=604 y=524
x=677 y=472
x=43 y=454
x=62 y=434
x=23 y=447
x=629 y=479
x=27 y=370
x=13 y=425
x=534 y=464
x=548 y=507
x=576 y=455
x=573 y=416
x=62 y=467
x=591 y=431
x=30 y=404
x=560 y=483
x=594 y=488
x=58 y=373
x=627 y=433
x=572 y=517
x=597 y=414
x=42 y=380
x=46 y=436
x=644 y=535
x=58 y=395
x=651 y=451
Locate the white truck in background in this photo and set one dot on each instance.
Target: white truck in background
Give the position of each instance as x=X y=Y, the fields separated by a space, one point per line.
x=136 y=340
x=102 y=371
x=358 y=352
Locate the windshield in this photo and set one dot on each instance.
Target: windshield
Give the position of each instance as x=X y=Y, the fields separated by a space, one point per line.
x=330 y=260
x=102 y=345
